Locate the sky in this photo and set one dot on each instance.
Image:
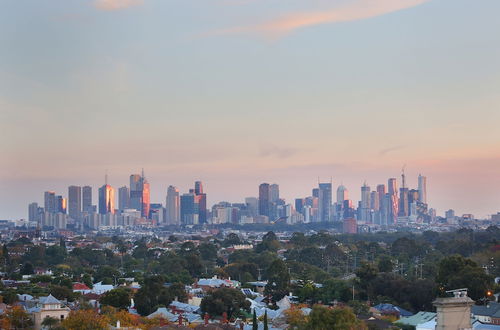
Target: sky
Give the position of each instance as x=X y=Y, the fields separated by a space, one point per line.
x=239 y=92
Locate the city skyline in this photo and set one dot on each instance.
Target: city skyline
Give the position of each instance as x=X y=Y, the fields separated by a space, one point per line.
x=244 y=92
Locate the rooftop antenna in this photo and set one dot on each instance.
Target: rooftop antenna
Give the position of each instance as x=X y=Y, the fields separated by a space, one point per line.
x=143 y=172
x=403 y=176
x=106 y=177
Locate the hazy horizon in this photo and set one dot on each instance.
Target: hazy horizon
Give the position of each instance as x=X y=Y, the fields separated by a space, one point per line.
x=239 y=92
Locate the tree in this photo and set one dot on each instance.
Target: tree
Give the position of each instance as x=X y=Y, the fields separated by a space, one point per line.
x=385 y=264
x=231 y=239
x=224 y=300
x=50 y=322
x=85 y=320
x=458 y=272
x=324 y=318
x=18 y=318
x=255 y=325
x=118 y=298
x=278 y=280
x=295 y=318
x=266 y=326
x=27 y=269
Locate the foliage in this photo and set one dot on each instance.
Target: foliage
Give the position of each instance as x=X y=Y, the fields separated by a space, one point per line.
x=118 y=298
x=85 y=320
x=324 y=318
x=228 y=300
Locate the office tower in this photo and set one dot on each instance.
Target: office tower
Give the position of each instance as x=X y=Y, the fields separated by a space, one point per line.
x=342 y=194
x=264 y=199
x=252 y=204
x=325 y=201
x=365 y=203
x=381 y=192
x=60 y=204
x=50 y=201
x=75 y=202
x=299 y=204
x=315 y=192
x=33 y=212
x=422 y=189
x=87 y=199
x=106 y=199
x=393 y=201
x=145 y=197
x=173 y=206
x=274 y=193
x=136 y=192
x=413 y=196
x=374 y=201
x=123 y=198
x=403 y=197
x=198 y=187
x=139 y=194
x=189 y=209
x=375 y=207
x=392 y=185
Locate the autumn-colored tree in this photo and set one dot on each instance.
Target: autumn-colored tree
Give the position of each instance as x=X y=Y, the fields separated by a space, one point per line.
x=85 y=320
x=18 y=318
x=295 y=318
x=324 y=318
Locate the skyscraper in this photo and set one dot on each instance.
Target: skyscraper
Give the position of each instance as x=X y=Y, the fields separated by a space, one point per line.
x=139 y=194
x=264 y=199
x=173 y=206
x=342 y=194
x=189 y=209
x=87 y=199
x=136 y=192
x=365 y=203
x=50 y=201
x=274 y=193
x=106 y=199
x=145 y=197
x=198 y=187
x=61 y=204
x=403 y=197
x=422 y=189
x=33 y=212
x=393 y=201
x=123 y=198
x=75 y=202
x=325 y=201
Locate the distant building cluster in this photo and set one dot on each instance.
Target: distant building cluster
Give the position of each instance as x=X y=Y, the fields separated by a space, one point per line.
x=383 y=207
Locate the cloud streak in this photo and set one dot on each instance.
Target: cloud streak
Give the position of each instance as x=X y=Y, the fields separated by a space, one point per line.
x=356 y=10
x=110 y=5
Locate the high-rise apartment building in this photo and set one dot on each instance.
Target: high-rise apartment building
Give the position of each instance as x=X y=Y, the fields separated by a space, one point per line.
x=75 y=202
x=173 y=206
x=87 y=199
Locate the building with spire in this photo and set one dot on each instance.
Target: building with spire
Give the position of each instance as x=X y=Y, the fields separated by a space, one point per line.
x=106 y=198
